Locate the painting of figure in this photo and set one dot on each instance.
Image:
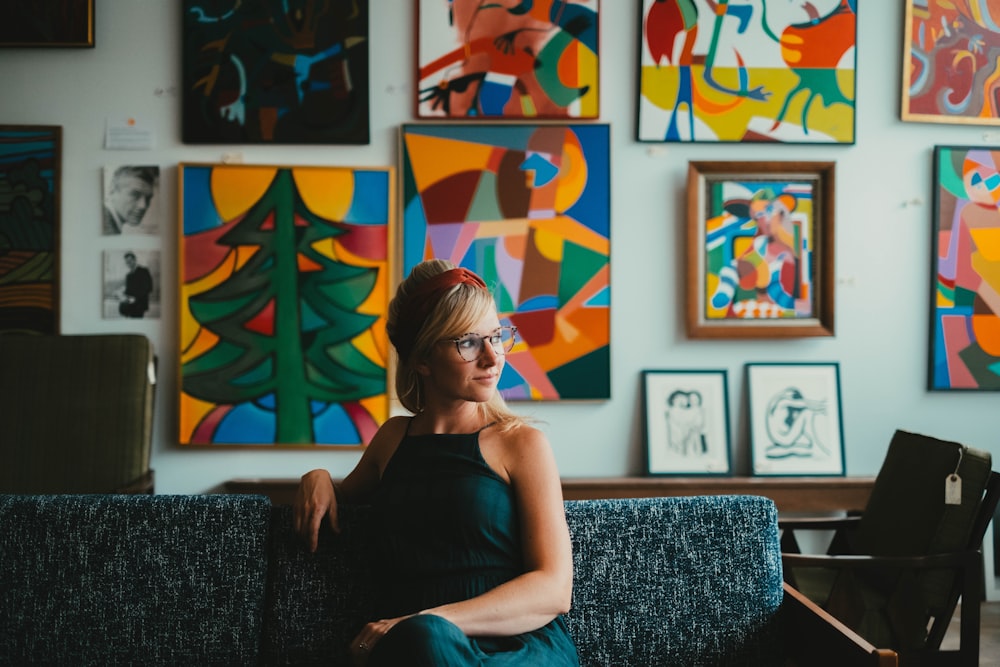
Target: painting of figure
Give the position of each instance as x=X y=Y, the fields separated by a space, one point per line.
x=796 y=426
x=687 y=422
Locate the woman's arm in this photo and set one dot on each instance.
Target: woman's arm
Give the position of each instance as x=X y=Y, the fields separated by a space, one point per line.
x=317 y=497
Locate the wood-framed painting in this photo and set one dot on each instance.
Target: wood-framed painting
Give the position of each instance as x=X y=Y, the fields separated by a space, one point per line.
x=950 y=63
x=687 y=422
x=965 y=287
x=30 y=179
x=747 y=72
x=527 y=207
x=507 y=61
x=259 y=72
x=47 y=23
x=796 y=424
x=760 y=249
x=284 y=289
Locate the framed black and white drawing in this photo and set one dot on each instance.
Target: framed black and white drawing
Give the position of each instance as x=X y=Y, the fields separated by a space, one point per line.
x=796 y=426
x=687 y=422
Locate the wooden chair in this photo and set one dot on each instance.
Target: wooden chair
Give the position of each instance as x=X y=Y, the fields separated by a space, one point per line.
x=76 y=413
x=896 y=572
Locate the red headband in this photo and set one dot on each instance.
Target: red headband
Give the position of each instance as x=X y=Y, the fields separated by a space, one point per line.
x=421 y=301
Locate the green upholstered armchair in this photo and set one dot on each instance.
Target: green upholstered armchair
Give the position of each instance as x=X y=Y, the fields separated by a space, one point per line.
x=895 y=573
x=76 y=413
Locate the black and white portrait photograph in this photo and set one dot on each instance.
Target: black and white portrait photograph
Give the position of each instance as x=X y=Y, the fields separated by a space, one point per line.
x=687 y=422
x=131 y=284
x=131 y=200
x=795 y=419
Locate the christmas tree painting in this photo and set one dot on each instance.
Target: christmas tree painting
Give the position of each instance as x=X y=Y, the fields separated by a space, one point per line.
x=283 y=303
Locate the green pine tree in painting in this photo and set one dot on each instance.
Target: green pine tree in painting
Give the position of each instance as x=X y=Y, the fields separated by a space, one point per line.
x=285 y=319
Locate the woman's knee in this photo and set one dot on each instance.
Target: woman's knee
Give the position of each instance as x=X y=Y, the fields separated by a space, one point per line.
x=424 y=639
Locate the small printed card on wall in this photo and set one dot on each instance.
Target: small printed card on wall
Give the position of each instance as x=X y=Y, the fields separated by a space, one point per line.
x=131 y=284
x=687 y=422
x=795 y=419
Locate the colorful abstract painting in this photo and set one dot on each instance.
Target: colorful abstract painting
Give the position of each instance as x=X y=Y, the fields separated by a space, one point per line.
x=752 y=71
x=759 y=250
x=951 y=62
x=965 y=342
x=256 y=71
x=284 y=285
x=528 y=208
x=30 y=163
x=525 y=60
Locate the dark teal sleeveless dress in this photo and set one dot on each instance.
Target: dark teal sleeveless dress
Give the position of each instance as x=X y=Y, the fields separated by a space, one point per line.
x=445 y=529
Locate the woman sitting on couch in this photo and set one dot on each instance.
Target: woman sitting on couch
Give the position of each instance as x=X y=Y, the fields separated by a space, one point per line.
x=472 y=551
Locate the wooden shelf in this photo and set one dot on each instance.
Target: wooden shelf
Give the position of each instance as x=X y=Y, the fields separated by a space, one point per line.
x=790 y=494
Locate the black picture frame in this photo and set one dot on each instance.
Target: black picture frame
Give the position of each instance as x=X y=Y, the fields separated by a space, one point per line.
x=47 y=23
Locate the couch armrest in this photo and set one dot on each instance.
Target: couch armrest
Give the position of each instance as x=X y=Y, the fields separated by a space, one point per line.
x=817 y=639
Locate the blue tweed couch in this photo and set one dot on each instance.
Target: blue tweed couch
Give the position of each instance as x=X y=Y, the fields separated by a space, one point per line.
x=223 y=580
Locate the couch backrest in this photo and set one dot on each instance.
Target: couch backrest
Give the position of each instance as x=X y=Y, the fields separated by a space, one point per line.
x=316 y=602
x=131 y=580
x=676 y=581
x=658 y=581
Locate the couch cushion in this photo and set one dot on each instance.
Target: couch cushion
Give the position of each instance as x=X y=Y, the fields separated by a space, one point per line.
x=137 y=580
x=676 y=581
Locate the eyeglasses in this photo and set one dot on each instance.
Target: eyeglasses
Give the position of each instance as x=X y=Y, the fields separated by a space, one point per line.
x=470 y=346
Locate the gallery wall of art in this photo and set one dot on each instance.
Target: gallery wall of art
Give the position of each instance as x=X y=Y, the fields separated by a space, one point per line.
x=626 y=289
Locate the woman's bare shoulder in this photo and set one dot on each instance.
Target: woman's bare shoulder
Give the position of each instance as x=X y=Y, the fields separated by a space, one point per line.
x=523 y=443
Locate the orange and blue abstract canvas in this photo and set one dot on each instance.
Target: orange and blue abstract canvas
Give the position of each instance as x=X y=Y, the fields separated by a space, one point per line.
x=527 y=207
x=284 y=284
x=752 y=71
x=529 y=60
x=965 y=311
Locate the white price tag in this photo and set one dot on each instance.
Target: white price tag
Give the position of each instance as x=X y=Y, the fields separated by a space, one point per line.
x=953 y=490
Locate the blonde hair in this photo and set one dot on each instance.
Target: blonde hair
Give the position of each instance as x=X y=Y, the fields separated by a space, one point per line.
x=458 y=309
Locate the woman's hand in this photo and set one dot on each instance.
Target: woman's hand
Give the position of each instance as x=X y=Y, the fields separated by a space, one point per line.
x=370 y=635
x=314 y=500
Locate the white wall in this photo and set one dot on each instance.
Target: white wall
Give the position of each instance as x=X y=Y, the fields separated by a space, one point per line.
x=882 y=237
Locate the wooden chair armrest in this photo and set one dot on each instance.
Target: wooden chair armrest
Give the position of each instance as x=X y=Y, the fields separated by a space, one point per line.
x=139 y=486
x=817 y=639
x=955 y=559
x=817 y=522
x=842 y=526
